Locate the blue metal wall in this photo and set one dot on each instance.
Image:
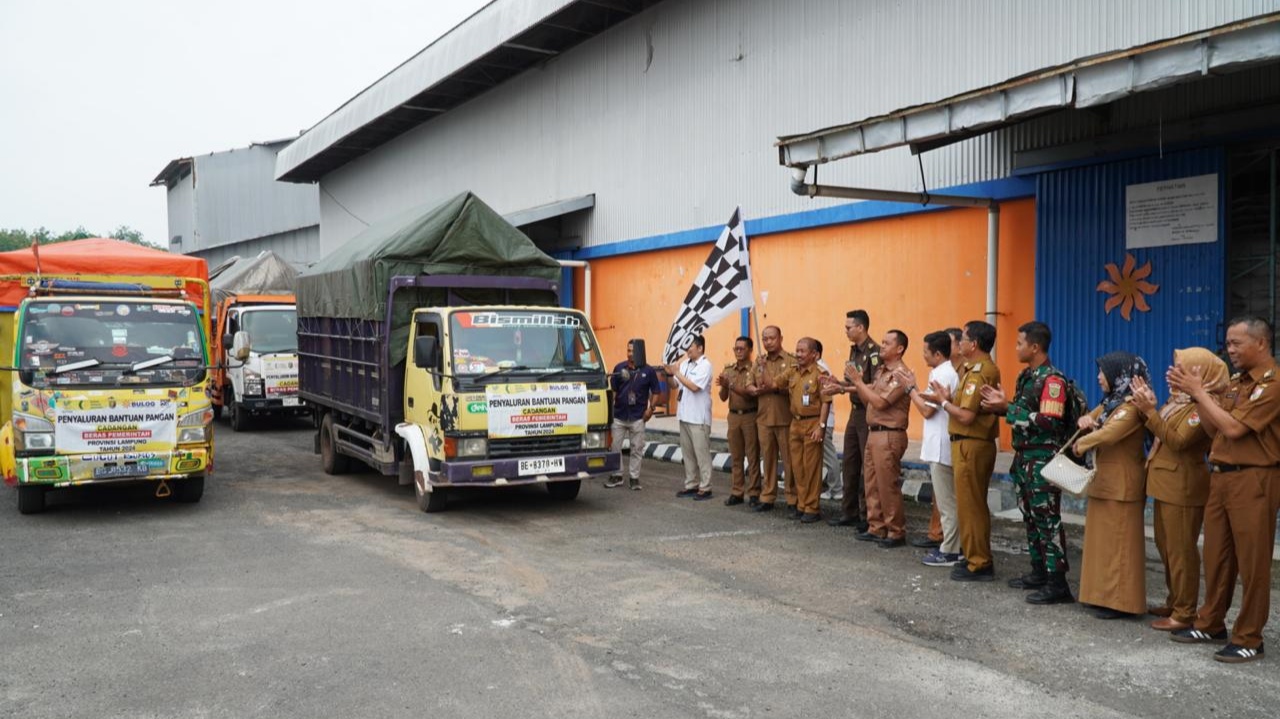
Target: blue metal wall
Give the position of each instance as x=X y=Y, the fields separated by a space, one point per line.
x=1080 y=225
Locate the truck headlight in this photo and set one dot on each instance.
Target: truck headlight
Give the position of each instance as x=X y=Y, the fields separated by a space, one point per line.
x=252 y=383
x=596 y=440
x=472 y=447
x=35 y=433
x=194 y=427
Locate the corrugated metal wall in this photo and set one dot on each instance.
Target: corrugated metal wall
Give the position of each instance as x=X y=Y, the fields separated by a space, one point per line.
x=670 y=117
x=297 y=247
x=1081 y=228
x=237 y=199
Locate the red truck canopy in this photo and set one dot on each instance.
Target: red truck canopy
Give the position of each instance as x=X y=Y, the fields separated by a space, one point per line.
x=99 y=256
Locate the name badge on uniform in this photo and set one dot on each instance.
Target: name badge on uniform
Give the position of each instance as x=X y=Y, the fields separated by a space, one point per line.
x=804 y=399
x=631 y=398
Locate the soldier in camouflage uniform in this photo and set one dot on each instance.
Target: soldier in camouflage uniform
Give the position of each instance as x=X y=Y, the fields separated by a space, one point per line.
x=1038 y=414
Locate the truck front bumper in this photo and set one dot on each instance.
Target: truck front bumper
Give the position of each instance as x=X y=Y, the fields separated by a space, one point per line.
x=70 y=470
x=505 y=472
x=271 y=405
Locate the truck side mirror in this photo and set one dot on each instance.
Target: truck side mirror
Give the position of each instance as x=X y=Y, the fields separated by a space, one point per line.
x=240 y=346
x=425 y=350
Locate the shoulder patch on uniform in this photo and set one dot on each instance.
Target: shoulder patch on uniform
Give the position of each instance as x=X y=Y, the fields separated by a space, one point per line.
x=1269 y=373
x=1193 y=419
x=1051 y=397
x=1121 y=414
x=875 y=360
x=1257 y=392
x=970 y=388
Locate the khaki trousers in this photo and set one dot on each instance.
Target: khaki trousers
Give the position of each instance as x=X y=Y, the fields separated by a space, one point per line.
x=633 y=431
x=695 y=446
x=882 y=473
x=944 y=508
x=973 y=460
x=744 y=446
x=1177 y=528
x=1239 y=531
x=775 y=445
x=806 y=464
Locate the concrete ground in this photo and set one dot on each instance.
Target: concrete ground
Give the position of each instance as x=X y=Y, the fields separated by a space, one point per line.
x=289 y=593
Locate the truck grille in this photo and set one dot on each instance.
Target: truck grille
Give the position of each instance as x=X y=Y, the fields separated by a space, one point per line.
x=525 y=446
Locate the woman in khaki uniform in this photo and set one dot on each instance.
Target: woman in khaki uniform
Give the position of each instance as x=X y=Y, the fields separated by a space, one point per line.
x=1178 y=481
x=1113 y=580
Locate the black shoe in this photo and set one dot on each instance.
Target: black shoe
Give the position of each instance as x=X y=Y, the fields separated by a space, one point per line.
x=861 y=526
x=867 y=537
x=1197 y=636
x=1235 y=654
x=962 y=573
x=763 y=507
x=892 y=542
x=843 y=522
x=733 y=500
x=1054 y=591
x=702 y=496
x=810 y=517
x=925 y=543
x=1035 y=579
x=1109 y=613
x=793 y=512
x=686 y=492
x=753 y=502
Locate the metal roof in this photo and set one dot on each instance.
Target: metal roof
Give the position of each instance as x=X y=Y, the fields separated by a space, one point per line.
x=172 y=172
x=1082 y=83
x=500 y=41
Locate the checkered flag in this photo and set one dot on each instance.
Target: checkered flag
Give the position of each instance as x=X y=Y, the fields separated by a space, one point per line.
x=723 y=286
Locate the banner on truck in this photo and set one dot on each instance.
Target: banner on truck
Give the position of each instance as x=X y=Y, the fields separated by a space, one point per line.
x=526 y=410
x=143 y=426
x=280 y=376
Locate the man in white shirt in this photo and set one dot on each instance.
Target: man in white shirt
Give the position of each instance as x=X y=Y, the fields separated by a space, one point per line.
x=935 y=447
x=694 y=413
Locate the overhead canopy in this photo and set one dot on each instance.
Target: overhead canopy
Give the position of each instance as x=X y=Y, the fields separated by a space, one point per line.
x=1082 y=83
x=265 y=274
x=99 y=256
x=462 y=236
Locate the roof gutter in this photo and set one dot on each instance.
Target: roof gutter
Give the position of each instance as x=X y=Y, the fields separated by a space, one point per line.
x=803 y=188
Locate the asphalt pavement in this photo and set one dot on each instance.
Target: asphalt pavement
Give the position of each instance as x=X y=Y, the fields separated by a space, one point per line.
x=290 y=593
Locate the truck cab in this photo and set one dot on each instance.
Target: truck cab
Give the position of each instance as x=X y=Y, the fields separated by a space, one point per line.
x=503 y=396
x=256 y=344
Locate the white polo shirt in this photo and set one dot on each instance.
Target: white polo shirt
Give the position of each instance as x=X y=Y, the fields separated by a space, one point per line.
x=695 y=407
x=935 y=444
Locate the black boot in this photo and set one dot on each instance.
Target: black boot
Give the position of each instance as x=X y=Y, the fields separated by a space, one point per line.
x=1034 y=579
x=1055 y=591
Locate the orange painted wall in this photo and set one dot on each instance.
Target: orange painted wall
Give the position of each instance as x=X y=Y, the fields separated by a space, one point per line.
x=916 y=273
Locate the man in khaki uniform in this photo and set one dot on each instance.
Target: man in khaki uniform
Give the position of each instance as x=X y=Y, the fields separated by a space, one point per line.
x=1244 y=490
x=743 y=446
x=973 y=449
x=809 y=407
x=888 y=412
x=773 y=418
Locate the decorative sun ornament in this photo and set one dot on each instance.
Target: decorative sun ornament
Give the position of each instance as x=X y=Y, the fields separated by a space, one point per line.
x=1128 y=287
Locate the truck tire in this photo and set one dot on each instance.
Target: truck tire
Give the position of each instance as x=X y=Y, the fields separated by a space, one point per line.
x=236 y=416
x=189 y=490
x=431 y=502
x=334 y=462
x=31 y=500
x=564 y=491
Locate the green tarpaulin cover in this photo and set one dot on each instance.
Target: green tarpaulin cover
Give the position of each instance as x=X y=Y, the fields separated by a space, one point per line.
x=462 y=236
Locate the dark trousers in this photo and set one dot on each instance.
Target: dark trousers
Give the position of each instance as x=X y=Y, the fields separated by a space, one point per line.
x=855 y=448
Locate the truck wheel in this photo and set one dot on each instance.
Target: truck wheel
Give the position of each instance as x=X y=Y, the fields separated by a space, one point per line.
x=236 y=416
x=564 y=491
x=433 y=501
x=31 y=500
x=334 y=462
x=189 y=490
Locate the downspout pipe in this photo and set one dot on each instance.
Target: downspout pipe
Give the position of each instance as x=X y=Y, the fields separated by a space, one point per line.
x=800 y=187
x=586 y=282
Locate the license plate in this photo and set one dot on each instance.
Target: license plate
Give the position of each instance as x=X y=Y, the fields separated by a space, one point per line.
x=541 y=465
x=123 y=470
x=290 y=401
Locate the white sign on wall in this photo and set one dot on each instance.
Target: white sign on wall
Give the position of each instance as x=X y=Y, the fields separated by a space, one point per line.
x=1172 y=212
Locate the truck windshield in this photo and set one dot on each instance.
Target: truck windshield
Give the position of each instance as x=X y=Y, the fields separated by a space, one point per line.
x=522 y=341
x=271 y=331
x=110 y=343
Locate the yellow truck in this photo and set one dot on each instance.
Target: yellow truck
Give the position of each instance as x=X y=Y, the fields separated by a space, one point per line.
x=433 y=348
x=108 y=374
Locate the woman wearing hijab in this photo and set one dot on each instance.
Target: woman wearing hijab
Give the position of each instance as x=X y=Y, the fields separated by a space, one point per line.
x=1178 y=481
x=1113 y=579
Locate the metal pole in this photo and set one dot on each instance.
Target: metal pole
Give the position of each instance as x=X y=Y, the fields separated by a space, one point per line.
x=586 y=282
x=993 y=263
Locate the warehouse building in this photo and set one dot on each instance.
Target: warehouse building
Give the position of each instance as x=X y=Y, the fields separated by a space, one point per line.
x=227 y=204
x=1108 y=167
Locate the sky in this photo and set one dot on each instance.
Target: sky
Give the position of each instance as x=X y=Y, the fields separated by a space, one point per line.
x=97 y=97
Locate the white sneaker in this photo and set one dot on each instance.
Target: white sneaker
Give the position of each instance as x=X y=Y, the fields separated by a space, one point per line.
x=825 y=495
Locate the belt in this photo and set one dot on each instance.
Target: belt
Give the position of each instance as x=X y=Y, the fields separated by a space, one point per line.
x=882 y=428
x=959 y=437
x=1223 y=468
x=742 y=411
x=798 y=417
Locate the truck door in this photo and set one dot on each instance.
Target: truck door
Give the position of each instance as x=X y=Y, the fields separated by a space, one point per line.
x=422 y=387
